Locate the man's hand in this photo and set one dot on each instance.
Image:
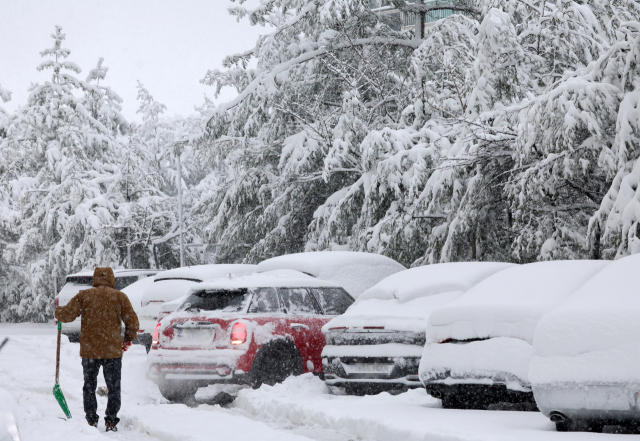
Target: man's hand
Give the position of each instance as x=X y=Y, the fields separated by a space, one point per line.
x=125 y=345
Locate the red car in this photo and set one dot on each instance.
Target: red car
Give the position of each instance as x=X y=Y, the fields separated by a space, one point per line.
x=244 y=330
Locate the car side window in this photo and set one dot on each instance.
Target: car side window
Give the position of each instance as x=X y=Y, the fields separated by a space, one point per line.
x=297 y=301
x=264 y=300
x=334 y=301
x=123 y=282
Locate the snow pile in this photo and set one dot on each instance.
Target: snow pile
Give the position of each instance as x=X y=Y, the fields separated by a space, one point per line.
x=593 y=337
x=355 y=272
x=511 y=302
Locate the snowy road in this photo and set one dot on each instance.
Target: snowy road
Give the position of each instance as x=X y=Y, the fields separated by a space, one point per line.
x=298 y=410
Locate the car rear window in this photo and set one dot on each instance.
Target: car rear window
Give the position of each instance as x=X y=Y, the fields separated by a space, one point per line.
x=334 y=301
x=216 y=300
x=123 y=282
x=297 y=301
x=84 y=281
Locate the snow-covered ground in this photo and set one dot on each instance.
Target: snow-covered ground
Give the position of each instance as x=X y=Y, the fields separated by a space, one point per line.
x=300 y=409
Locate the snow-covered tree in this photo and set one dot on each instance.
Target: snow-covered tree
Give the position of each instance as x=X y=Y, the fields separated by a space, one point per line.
x=63 y=190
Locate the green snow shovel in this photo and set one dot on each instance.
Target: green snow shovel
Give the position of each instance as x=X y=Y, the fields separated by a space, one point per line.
x=57 y=392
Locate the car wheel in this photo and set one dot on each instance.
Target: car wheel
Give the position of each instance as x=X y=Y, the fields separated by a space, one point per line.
x=74 y=338
x=178 y=393
x=275 y=361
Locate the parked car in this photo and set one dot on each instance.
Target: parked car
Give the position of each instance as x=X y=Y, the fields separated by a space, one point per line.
x=84 y=280
x=244 y=330
x=585 y=369
x=173 y=284
x=377 y=344
x=355 y=272
x=8 y=427
x=479 y=346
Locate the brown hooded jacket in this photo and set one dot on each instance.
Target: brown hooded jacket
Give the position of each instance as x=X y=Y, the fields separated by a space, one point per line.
x=102 y=309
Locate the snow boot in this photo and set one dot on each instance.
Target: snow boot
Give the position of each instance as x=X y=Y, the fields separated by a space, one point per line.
x=93 y=423
x=111 y=427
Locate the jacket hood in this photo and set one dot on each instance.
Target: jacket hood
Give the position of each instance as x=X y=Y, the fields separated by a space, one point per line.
x=104 y=277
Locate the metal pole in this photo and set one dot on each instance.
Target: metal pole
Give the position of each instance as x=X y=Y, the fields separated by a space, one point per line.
x=420 y=16
x=129 y=247
x=180 y=210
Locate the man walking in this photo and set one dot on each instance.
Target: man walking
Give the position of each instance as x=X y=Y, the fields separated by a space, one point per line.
x=103 y=309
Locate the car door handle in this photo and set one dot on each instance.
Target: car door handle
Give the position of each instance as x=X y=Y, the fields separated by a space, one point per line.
x=299 y=326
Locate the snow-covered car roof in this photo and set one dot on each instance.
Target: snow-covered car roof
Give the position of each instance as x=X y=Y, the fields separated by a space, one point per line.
x=205 y=272
x=270 y=279
x=404 y=301
x=119 y=272
x=136 y=290
x=177 y=282
x=427 y=280
x=593 y=335
x=511 y=302
x=354 y=271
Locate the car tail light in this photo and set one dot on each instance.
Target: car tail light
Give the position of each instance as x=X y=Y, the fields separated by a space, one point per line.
x=155 y=340
x=238 y=333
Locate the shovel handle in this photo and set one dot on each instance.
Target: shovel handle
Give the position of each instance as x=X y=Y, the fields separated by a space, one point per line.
x=58 y=354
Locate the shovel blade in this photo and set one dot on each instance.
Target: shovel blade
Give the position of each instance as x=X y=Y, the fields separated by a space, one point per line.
x=57 y=393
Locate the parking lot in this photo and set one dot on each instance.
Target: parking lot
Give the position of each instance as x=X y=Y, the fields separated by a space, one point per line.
x=302 y=408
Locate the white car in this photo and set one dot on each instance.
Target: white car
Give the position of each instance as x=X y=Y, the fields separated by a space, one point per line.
x=585 y=371
x=355 y=272
x=84 y=280
x=8 y=427
x=173 y=284
x=479 y=347
x=376 y=345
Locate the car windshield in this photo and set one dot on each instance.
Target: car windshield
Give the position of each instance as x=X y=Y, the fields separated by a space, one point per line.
x=216 y=300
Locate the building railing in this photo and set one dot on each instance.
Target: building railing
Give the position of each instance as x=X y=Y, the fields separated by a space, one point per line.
x=437 y=10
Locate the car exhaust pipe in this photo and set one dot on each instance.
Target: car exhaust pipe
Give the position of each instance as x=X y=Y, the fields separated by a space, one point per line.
x=558 y=417
x=435 y=393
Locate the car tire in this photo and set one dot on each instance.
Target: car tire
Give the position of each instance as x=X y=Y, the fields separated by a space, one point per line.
x=274 y=362
x=565 y=426
x=74 y=338
x=178 y=393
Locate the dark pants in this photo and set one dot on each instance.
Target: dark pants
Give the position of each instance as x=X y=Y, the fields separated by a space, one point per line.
x=112 y=370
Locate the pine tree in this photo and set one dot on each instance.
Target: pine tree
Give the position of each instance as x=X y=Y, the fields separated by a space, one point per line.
x=64 y=189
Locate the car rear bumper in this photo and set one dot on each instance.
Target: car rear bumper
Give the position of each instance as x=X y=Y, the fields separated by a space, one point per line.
x=197 y=375
x=480 y=396
x=401 y=372
x=200 y=366
x=603 y=402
